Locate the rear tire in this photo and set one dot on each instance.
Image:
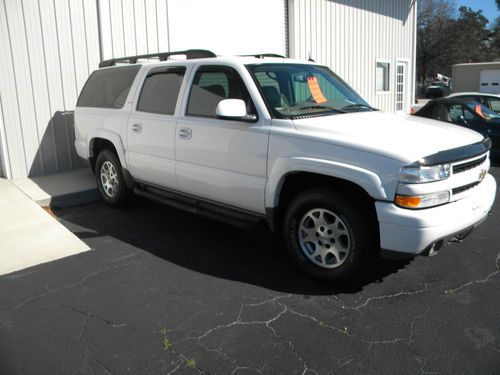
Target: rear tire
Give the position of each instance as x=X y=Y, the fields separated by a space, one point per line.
x=328 y=236
x=109 y=178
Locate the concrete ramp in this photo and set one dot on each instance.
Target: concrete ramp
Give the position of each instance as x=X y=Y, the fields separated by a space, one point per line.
x=28 y=234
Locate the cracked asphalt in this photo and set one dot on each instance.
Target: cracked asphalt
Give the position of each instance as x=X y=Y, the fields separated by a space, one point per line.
x=167 y=292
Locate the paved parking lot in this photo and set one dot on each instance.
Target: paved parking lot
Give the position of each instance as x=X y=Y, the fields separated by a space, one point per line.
x=167 y=292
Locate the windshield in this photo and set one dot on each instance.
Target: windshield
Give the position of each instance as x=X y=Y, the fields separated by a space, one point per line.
x=299 y=90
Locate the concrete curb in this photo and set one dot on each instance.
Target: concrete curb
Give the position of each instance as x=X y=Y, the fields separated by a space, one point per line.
x=60 y=190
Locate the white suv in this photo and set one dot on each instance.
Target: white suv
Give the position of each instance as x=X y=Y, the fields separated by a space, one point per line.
x=265 y=138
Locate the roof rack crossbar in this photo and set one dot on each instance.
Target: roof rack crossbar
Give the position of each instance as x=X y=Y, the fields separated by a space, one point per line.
x=162 y=56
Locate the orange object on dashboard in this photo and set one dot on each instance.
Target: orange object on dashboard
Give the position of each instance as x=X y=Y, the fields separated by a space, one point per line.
x=478 y=110
x=316 y=93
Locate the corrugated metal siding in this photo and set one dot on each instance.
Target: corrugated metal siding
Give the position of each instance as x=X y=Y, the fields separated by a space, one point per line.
x=48 y=50
x=223 y=26
x=349 y=36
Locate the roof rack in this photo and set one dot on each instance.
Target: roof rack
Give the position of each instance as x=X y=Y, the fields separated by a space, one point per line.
x=262 y=55
x=161 y=56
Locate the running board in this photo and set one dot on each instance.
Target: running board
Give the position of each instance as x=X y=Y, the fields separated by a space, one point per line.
x=199 y=207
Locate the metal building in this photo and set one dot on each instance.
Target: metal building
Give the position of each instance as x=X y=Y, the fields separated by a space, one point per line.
x=482 y=77
x=49 y=48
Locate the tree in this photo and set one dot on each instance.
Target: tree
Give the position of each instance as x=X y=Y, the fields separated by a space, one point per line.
x=444 y=40
x=433 y=35
x=472 y=40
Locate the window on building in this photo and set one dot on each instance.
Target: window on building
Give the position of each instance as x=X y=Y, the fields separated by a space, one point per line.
x=160 y=91
x=213 y=84
x=382 y=74
x=108 y=88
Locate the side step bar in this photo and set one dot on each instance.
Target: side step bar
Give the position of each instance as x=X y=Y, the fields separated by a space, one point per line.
x=199 y=207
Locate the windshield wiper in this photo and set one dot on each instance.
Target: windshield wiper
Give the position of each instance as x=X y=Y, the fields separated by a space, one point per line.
x=321 y=107
x=359 y=105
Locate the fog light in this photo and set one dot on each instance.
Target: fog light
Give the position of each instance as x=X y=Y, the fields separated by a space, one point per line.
x=422 y=201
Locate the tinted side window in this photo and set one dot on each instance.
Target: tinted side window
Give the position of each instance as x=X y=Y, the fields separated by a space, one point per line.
x=160 y=91
x=108 y=88
x=213 y=84
x=494 y=104
x=469 y=115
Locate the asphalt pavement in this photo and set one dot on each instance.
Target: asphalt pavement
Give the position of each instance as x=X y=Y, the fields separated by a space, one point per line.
x=163 y=291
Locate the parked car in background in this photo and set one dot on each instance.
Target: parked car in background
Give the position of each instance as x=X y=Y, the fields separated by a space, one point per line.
x=465 y=112
x=492 y=101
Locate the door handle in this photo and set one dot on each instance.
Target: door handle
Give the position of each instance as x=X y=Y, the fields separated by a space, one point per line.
x=137 y=128
x=185 y=133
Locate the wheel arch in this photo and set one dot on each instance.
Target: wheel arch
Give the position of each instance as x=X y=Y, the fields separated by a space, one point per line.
x=106 y=140
x=363 y=187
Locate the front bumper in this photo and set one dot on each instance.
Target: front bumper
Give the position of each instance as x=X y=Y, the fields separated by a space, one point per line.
x=413 y=231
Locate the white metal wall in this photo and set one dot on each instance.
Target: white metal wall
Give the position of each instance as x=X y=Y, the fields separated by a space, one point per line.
x=48 y=49
x=349 y=36
x=131 y=27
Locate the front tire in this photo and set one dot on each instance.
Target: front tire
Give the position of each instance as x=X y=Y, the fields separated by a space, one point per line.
x=109 y=178
x=328 y=236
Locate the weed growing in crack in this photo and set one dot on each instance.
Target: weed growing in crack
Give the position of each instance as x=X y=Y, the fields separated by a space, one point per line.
x=166 y=341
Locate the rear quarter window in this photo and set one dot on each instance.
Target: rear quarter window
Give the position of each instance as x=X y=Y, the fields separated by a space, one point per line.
x=108 y=88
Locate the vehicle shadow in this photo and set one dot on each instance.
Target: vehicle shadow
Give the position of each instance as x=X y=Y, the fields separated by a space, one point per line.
x=252 y=256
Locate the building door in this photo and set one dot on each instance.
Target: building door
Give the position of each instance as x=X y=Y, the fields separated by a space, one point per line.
x=490 y=81
x=401 y=94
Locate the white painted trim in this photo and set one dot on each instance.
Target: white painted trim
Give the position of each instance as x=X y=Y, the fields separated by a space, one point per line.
x=414 y=57
x=391 y=81
x=406 y=103
x=4 y=155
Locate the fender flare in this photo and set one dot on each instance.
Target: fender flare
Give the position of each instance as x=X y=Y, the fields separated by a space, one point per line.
x=112 y=137
x=281 y=168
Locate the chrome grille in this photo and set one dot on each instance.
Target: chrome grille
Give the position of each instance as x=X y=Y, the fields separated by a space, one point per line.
x=458 y=168
x=461 y=189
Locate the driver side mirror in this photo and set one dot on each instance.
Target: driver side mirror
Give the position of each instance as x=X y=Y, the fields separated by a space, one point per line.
x=233 y=109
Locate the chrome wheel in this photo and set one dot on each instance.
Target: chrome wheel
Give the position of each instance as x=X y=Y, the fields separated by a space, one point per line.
x=324 y=238
x=109 y=179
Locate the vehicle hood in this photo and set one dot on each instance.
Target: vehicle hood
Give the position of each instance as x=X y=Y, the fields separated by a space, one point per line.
x=401 y=137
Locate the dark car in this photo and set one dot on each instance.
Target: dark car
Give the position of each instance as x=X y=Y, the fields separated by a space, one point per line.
x=467 y=113
x=492 y=101
x=437 y=90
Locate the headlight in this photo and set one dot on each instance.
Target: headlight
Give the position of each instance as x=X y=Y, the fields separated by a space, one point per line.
x=422 y=201
x=418 y=175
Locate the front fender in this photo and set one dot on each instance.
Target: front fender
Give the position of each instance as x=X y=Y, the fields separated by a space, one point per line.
x=113 y=137
x=282 y=167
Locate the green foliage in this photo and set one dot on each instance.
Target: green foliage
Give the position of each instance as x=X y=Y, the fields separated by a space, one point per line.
x=166 y=343
x=444 y=40
x=191 y=363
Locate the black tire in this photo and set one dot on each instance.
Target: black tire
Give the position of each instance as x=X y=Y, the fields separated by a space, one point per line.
x=347 y=231
x=117 y=195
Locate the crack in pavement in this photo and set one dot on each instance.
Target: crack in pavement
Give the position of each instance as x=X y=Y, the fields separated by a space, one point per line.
x=240 y=322
x=51 y=291
x=406 y=340
x=481 y=281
